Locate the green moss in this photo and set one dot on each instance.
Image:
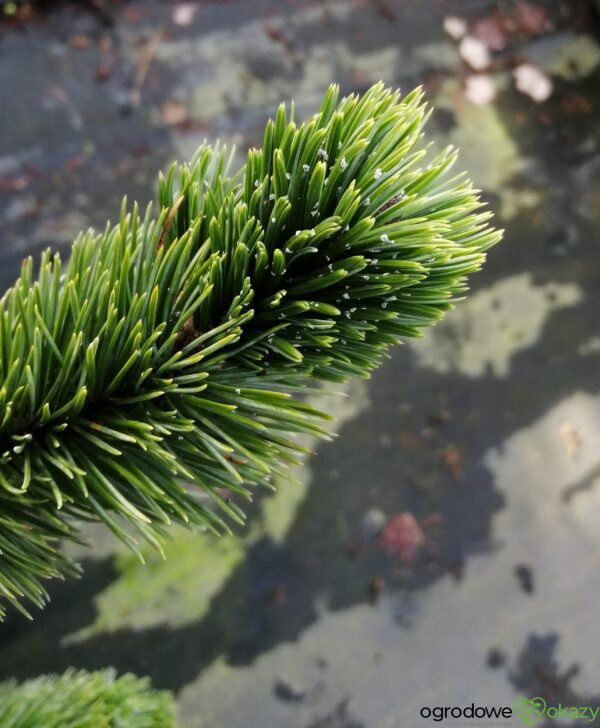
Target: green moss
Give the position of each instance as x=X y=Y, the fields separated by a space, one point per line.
x=174 y=590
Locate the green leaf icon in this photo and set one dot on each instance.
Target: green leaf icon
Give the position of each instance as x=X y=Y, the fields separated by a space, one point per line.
x=529 y=710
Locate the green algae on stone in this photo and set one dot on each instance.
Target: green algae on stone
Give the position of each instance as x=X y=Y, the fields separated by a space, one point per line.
x=174 y=590
x=489 y=151
x=566 y=55
x=493 y=325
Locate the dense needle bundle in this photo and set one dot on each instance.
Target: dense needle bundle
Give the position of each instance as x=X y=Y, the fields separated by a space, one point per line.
x=85 y=700
x=172 y=348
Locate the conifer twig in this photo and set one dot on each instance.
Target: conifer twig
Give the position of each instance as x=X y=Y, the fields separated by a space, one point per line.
x=167 y=359
x=80 y=699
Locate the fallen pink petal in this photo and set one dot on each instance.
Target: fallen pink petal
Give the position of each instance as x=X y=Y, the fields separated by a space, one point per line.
x=475 y=53
x=184 y=14
x=403 y=537
x=455 y=27
x=533 y=82
x=480 y=89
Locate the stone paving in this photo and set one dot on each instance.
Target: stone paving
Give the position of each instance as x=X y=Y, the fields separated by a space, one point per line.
x=480 y=442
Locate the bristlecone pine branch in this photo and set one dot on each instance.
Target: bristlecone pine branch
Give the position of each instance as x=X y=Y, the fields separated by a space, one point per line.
x=85 y=700
x=174 y=347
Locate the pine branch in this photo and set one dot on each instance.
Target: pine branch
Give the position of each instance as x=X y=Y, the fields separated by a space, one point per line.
x=85 y=700
x=174 y=348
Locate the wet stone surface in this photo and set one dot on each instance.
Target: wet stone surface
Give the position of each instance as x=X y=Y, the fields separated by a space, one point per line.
x=444 y=548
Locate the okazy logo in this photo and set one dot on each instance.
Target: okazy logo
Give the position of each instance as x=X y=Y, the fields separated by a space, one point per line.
x=529 y=711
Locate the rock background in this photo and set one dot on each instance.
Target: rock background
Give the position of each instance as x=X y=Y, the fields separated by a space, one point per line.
x=477 y=446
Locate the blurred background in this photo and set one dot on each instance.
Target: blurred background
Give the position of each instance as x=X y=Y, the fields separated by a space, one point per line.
x=443 y=549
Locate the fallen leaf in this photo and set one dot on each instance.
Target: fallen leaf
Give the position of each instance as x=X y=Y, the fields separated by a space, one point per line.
x=385 y=9
x=132 y=13
x=78 y=160
x=79 y=41
x=577 y=103
x=277 y=35
x=475 y=53
x=58 y=93
x=174 y=112
x=533 y=82
x=103 y=72
x=17 y=183
x=532 y=19
x=408 y=440
x=452 y=460
x=183 y=14
x=403 y=537
x=570 y=437
x=105 y=43
x=376 y=586
x=491 y=32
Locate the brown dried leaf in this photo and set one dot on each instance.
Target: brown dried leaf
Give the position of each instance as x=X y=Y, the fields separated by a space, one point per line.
x=103 y=72
x=174 y=112
x=570 y=437
x=532 y=19
x=453 y=462
x=79 y=41
x=491 y=32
